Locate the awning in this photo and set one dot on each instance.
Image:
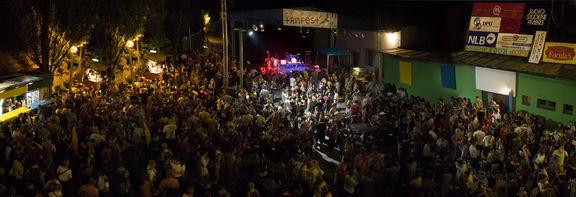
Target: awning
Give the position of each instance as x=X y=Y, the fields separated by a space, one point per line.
x=333 y=51
x=40 y=84
x=13 y=92
x=159 y=57
x=488 y=60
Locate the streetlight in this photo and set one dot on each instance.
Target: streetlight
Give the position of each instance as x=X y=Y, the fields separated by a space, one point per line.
x=130 y=44
x=76 y=49
x=206 y=19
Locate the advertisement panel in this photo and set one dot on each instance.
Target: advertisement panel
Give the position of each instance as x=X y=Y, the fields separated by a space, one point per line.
x=487 y=39
x=501 y=51
x=537 y=47
x=536 y=17
x=304 y=18
x=510 y=14
x=514 y=41
x=557 y=52
x=485 y=24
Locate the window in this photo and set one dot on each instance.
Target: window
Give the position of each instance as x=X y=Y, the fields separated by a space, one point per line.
x=526 y=100
x=568 y=109
x=549 y=105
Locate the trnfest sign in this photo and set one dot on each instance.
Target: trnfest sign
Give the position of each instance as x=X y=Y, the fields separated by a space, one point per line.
x=305 y=18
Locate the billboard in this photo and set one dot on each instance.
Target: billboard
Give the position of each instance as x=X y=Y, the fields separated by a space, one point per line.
x=495 y=28
x=557 y=52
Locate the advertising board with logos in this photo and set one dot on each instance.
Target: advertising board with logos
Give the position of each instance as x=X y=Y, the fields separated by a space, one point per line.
x=506 y=28
x=557 y=52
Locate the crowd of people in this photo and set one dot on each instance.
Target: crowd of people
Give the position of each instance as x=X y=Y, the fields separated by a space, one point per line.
x=184 y=135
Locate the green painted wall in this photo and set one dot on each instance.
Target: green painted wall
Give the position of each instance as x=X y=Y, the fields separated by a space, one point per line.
x=427 y=81
x=560 y=91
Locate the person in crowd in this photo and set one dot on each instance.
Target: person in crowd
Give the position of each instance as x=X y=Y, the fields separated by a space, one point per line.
x=121 y=139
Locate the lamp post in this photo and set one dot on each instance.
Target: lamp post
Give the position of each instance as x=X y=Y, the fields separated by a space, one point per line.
x=74 y=50
x=224 y=17
x=130 y=44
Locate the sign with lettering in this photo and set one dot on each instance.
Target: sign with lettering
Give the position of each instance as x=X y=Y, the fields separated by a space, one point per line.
x=536 y=17
x=514 y=41
x=485 y=24
x=305 y=18
x=501 y=51
x=487 y=39
x=510 y=14
x=537 y=47
x=557 y=52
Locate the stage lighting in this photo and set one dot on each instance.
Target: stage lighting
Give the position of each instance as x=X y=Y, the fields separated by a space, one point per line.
x=255 y=28
x=250 y=33
x=279 y=28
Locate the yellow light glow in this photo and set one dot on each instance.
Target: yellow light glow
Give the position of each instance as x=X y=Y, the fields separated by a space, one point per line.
x=73 y=49
x=392 y=37
x=206 y=18
x=130 y=44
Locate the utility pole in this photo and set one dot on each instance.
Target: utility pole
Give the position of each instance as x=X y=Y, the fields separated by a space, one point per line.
x=224 y=17
x=241 y=57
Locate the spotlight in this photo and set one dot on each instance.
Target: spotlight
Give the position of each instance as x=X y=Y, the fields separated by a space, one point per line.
x=255 y=28
x=279 y=28
x=250 y=33
x=261 y=26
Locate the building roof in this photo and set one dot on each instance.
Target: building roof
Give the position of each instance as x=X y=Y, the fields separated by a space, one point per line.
x=488 y=60
x=14 y=62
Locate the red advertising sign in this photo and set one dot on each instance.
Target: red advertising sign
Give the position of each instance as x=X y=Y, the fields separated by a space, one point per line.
x=563 y=53
x=511 y=14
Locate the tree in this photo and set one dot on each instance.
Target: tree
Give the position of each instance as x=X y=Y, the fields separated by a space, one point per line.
x=49 y=28
x=178 y=22
x=154 y=33
x=119 y=22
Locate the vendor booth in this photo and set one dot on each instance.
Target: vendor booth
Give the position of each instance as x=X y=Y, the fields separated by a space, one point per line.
x=333 y=58
x=23 y=93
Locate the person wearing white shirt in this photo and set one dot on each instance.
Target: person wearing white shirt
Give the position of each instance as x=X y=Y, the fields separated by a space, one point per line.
x=478 y=137
x=488 y=140
x=151 y=171
x=177 y=168
x=64 y=172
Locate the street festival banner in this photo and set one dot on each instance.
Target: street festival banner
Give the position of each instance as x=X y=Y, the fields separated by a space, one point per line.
x=304 y=18
x=556 y=52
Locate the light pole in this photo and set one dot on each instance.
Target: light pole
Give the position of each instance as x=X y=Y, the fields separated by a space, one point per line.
x=130 y=44
x=224 y=17
x=74 y=50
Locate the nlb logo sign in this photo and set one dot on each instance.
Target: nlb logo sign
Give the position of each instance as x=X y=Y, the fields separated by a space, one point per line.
x=485 y=24
x=487 y=39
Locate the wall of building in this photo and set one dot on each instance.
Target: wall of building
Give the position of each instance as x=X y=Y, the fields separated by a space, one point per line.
x=427 y=83
x=362 y=44
x=427 y=80
x=536 y=87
